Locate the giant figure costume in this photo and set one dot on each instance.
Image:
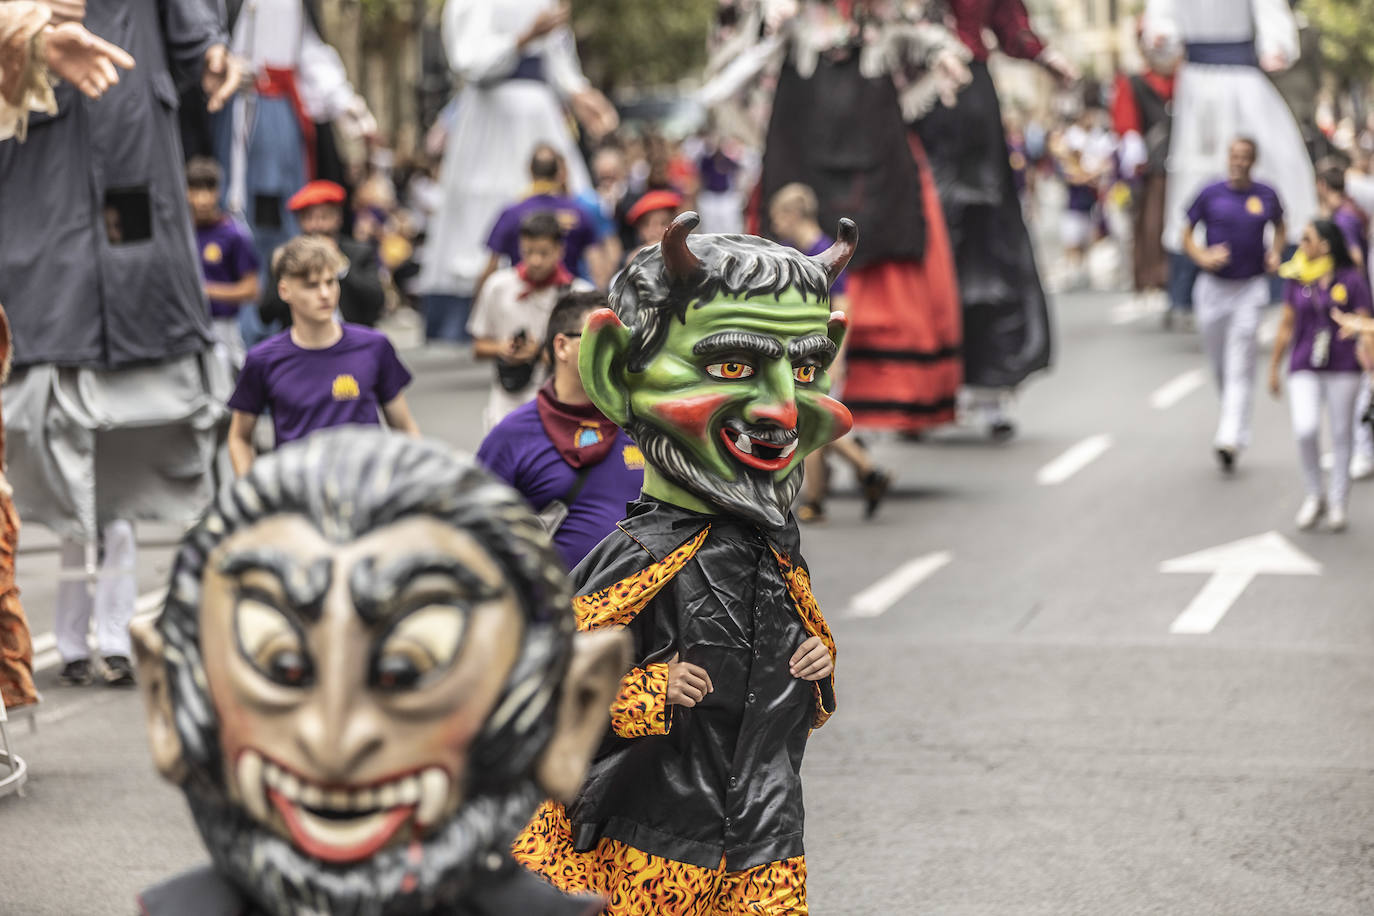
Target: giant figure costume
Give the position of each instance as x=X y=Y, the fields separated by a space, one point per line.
x=273 y=139
x=365 y=677
x=847 y=75
x=1221 y=94
x=1006 y=318
x=713 y=357
x=112 y=405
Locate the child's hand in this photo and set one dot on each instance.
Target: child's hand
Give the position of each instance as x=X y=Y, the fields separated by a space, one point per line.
x=812 y=661
x=688 y=684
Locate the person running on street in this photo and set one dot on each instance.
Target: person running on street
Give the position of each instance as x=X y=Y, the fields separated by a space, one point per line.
x=319 y=372
x=1322 y=368
x=1232 y=289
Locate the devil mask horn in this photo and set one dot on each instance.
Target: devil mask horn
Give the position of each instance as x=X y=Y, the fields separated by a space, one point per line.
x=834 y=258
x=677 y=257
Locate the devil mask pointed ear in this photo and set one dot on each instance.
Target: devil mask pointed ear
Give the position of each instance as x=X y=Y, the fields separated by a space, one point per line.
x=836 y=257
x=682 y=265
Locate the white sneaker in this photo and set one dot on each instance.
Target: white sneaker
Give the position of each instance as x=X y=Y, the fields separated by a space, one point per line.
x=1310 y=512
x=1335 y=518
x=1361 y=467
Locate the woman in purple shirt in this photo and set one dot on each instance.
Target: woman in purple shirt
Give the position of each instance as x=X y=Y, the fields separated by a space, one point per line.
x=1322 y=367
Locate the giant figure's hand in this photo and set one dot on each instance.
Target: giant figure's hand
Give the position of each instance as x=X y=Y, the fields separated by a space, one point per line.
x=67 y=10
x=85 y=60
x=688 y=684
x=1060 y=67
x=553 y=18
x=812 y=661
x=595 y=113
x=222 y=76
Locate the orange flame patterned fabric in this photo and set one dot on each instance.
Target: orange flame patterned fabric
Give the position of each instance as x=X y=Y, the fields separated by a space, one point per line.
x=635 y=883
x=641 y=707
x=617 y=605
x=799 y=587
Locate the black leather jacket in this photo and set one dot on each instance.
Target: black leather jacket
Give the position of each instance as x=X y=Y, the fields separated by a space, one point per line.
x=724 y=781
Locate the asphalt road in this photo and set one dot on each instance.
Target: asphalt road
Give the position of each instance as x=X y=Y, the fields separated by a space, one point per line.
x=1019 y=732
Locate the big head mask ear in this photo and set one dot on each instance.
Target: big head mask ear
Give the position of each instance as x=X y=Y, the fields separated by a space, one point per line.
x=150 y=656
x=599 y=660
x=605 y=342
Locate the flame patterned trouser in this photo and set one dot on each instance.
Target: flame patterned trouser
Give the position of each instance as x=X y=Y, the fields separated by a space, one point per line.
x=16 y=649
x=635 y=883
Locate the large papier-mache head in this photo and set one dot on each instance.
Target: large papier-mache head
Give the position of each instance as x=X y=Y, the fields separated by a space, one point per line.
x=713 y=356
x=366 y=676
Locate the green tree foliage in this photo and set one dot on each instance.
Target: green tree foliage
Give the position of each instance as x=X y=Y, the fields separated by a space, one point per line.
x=623 y=43
x=1347 y=30
x=640 y=43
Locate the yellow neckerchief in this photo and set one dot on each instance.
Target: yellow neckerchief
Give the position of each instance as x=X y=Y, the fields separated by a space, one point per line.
x=1306 y=271
x=550 y=188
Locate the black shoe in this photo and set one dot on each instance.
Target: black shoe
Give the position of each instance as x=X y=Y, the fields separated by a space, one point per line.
x=1002 y=430
x=875 y=486
x=76 y=674
x=1226 y=458
x=118 y=671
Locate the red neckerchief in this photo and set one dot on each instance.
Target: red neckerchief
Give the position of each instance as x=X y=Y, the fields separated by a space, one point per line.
x=561 y=276
x=1161 y=84
x=580 y=432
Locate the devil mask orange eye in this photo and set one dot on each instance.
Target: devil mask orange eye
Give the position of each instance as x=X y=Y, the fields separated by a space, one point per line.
x=730 y=371
x=804 y=374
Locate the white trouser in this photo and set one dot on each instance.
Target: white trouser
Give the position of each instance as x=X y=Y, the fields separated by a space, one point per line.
x=1228 y=317
x=229 y=342
x=1306 y=393
x=116 y=593
x=1364 y=436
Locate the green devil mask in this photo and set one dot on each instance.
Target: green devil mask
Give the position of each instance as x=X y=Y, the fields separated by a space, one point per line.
x=713 y=357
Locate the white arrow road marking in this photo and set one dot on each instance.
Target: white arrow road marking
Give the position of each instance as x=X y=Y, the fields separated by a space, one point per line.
x=45 y=653
x=1232 y=567
x=1178 y=388
x=887 y=591
x=1075 y=459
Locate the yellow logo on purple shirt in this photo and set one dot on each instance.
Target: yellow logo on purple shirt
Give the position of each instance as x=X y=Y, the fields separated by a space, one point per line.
x=1339 y=294
x=211 y=253
x=1255 y=205
x=634 y=458
x=346 y=388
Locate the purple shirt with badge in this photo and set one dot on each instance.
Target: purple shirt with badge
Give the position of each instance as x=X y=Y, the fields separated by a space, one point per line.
x=306 y=390
x=227 y=255
x=579 y=233
x=1237 y=218
x=520 y=452
x=1317 y=346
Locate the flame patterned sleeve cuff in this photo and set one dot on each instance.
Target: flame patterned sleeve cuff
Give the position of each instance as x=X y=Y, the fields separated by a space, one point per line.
x=641 y=707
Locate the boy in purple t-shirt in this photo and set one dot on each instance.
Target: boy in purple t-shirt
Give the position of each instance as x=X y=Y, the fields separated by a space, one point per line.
x=319 y=372
x=228 y=258
x=1232 y=289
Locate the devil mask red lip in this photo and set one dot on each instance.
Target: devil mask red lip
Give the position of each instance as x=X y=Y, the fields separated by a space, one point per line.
x=757 y=453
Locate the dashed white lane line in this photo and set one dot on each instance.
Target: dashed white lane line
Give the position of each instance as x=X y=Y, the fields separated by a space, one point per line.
x=1178 y=388
x=887 y=591
x=1075 y=459
x=45 y=653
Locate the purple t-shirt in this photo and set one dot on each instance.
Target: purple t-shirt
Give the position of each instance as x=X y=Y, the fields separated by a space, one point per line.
x=841 y=284
x=1349 y=220
x=308 y=390
x=1237 y=218
x=519 y=452
x=227 y=255
x=1316 y=345
x=579 y=233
